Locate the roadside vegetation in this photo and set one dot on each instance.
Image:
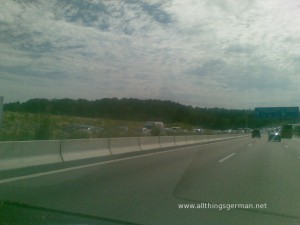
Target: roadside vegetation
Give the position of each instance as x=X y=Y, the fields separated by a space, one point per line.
x=23 y=126
x=43 y=119
x=138 y=111
x=32 y=126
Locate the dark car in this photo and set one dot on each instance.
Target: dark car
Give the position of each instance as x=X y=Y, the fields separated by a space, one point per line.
x=274 y=136
x=256 y=133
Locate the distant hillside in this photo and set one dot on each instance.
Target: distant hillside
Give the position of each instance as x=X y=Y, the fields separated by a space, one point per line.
x=140 y=110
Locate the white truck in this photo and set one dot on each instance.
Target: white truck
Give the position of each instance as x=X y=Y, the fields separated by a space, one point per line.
x=156 y=128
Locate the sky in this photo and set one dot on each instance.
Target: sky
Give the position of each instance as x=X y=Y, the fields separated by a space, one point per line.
x=205 y=53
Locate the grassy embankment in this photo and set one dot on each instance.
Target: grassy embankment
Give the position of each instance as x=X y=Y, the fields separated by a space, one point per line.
x=29 y=126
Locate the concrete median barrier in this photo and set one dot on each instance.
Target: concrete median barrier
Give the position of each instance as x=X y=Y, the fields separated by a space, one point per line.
x=195 y=139
x=191 y=139
x=19 y=154
x=202 y=138
x=230 y=136
x=124 y=145
x=180 y=140
x=84 y=148
x=148 y=143
x=167 y=141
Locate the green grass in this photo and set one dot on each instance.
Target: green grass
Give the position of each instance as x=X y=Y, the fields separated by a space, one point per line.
x=29 y=126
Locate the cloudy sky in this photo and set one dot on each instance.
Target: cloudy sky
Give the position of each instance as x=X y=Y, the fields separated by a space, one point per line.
x=206 y=53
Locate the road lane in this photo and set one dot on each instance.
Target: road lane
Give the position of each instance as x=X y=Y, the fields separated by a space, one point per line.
x=267 y=174
x=115 y=184
x=227 y=157
x=147 y=190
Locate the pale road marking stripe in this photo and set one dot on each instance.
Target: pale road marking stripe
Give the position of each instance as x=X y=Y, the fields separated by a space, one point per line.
x=249 y=145
x=227 y=157
x=9 y=180
x=286 y=146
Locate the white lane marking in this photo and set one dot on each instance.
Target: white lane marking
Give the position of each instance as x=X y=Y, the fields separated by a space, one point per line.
x=249 y=145
x=227 y=157
x=9 y=180
x=287 y=147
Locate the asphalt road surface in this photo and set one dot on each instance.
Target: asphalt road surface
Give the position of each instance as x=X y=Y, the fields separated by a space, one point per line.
x=242 y=181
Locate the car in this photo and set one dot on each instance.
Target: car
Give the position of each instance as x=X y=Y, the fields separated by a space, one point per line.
x=82 y=131
x=256 y=133
x=274 y=136
x=198 y=131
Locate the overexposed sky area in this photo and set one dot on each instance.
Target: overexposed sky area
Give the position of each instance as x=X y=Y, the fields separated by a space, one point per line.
x=206 y=53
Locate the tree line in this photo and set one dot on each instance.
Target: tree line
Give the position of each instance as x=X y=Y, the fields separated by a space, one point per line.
x=141 y=110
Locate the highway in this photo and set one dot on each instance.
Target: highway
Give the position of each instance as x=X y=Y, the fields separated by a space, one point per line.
x=161 y=187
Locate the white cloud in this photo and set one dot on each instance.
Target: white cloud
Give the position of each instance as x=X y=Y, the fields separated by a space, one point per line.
x=205 y=53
